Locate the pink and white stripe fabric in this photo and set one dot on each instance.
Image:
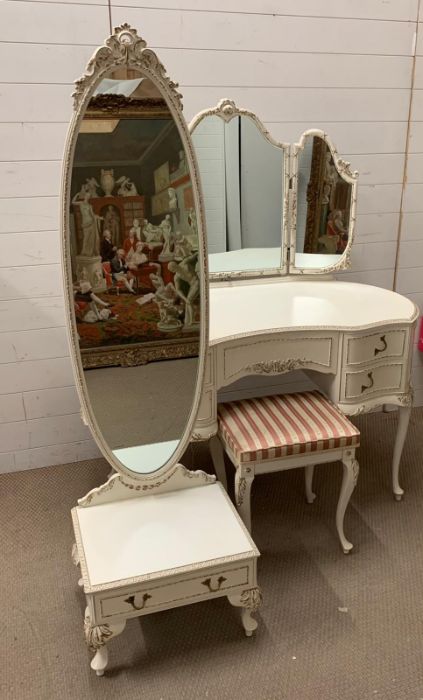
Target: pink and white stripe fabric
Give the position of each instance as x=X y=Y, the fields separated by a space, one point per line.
x=279 y=426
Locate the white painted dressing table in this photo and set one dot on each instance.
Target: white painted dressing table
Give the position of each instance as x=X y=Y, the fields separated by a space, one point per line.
x=354 y=340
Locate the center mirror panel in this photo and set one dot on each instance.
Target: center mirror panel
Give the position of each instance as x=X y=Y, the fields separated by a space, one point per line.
x=136 y=274
x=242 y=175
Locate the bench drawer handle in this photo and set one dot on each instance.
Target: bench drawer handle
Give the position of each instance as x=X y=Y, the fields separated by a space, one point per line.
x=131 y=601
x=368 y=386
x=385 y=345
x=208 y=583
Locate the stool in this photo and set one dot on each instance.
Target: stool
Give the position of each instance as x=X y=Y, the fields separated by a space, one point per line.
x=275 y=433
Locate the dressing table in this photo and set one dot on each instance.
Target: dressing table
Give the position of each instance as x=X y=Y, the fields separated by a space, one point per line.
x=156 y=535
x=278 y=309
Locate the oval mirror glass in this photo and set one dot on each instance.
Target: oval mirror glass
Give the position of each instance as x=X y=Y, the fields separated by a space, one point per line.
x=134 y=261
x=324 y=216
x=243 y=176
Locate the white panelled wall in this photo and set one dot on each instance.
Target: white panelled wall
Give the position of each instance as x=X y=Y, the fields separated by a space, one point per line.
x=342 y=66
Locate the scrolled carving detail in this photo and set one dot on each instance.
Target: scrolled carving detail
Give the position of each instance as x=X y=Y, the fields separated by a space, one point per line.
x=355 y=469
x=96 y=636
x=240 y=491
x=125 y=47
x=251 y=599
x=276 y=366
x=406 y=399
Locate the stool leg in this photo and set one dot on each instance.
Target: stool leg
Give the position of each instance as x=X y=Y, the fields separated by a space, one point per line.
x=244 y=477
x=308 y=476
x=218 y=459
x=349 y=481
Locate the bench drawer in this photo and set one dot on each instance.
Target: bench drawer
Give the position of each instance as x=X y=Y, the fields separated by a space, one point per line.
x=155 y=595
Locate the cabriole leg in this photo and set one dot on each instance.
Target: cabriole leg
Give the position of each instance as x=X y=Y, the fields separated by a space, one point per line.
x=349 y=481
x=249 y=601
x=404 y=413
x=96 y=637
x=308 y=476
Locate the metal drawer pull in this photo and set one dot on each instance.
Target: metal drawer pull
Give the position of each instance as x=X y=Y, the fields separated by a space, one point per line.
x=208 y=583
x=385 y=345
x=131 y=601
x=369 y=386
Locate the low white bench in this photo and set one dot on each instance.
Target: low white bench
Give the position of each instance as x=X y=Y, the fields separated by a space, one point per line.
x=275 y=433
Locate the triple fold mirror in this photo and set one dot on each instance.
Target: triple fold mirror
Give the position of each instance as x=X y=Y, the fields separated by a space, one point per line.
x=271 y=208
x=134 y=258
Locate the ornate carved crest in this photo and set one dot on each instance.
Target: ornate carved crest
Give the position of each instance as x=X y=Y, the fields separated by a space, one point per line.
x=276 y=366
x=125 y=47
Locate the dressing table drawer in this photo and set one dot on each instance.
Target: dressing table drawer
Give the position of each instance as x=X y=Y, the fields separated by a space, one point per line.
x=386 y=378
x=375 y=346
x=276 y=355
x=151 y=596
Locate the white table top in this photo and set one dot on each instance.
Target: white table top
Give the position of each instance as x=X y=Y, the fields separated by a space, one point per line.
x=142 y=537
x=250 y=309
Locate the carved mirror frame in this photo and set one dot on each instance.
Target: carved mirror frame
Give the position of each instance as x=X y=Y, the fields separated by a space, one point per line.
x=226 y=109
x=344 y=170
x=125 y=48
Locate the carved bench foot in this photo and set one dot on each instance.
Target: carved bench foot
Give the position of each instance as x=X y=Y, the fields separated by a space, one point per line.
x=96 y=637
x=249 y=601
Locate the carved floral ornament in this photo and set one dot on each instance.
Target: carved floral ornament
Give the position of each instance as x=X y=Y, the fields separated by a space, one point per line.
x=125 y=47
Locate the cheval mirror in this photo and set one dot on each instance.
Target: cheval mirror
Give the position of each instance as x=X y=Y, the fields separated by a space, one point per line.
x=155 y=535
x=135 y=280
x=271 y=208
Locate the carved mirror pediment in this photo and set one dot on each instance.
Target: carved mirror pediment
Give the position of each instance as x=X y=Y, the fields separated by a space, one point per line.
x=134 y=259
x=271 y=208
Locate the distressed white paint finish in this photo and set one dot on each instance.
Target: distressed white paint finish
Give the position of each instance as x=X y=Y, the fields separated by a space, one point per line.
x=32 y=314
x=312 y=105
x=49 y=455
x=35 y=374
x=19 y=214
x=40 y=344
x=51 y=402
x=353 y=138
x=342 y=66
x=237 y=31
x=377 y=9
x=12 y=408
x=38 y=22
x=25 y=141
x=42 y=432
x=41 y=247
x=30 y=281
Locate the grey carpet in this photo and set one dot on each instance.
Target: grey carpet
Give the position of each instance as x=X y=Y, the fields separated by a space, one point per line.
x=331 y=628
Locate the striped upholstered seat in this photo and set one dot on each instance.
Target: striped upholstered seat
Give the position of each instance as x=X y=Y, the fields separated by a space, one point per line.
x=280 y=426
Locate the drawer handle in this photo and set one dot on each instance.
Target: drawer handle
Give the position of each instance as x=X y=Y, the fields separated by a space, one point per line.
x=368 y=386
x=208 y=583
x=131 y=601
x=385 y=345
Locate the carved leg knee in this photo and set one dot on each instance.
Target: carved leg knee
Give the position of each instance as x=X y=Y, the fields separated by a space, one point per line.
x=96 y=637
x=249 y=601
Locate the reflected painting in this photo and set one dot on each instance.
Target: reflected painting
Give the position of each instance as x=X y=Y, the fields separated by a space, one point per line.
x=324 y=204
